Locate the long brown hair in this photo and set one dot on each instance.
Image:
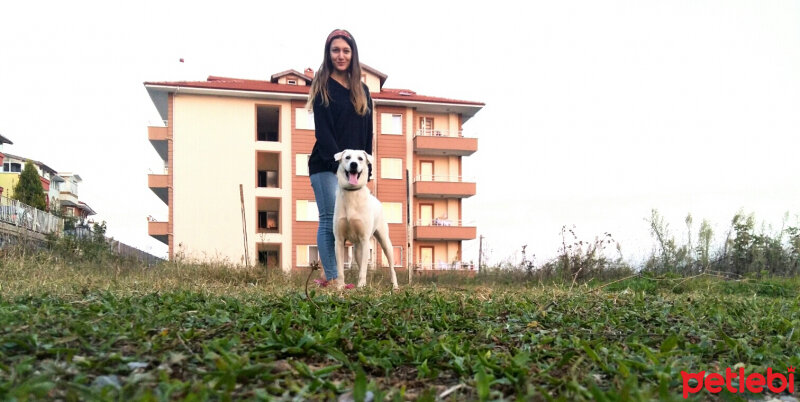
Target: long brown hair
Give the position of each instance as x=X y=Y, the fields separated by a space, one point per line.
x=319 y=86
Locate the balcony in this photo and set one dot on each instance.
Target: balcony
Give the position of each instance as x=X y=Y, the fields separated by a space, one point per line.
x=442 y=230
x=159 y=183
x=443 y=142
x=427 y=186
x=159 y=230
x=444 y=266
x=158 y=136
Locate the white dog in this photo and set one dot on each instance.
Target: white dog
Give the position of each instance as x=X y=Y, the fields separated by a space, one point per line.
x=358 y=215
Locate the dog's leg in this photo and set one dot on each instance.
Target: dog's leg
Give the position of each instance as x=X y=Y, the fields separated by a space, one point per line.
x=382 y=234
x=340 y=254
x=362 y=255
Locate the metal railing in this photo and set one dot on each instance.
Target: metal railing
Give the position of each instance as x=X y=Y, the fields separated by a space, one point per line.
x=25 y=216
x=164 y=171
x=443 y=222
x=445 y=266
x=445 y=178
x=427 y=132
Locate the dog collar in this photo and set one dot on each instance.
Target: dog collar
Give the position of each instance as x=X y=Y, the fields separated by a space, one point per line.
x=351 y=189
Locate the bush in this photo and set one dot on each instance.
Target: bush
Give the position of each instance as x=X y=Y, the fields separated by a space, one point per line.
x=29 y=188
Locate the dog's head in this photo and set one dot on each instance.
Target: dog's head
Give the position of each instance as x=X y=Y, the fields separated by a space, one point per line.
x=354 y=168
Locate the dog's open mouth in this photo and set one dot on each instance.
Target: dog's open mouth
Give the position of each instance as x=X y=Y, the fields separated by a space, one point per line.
x=352 y=178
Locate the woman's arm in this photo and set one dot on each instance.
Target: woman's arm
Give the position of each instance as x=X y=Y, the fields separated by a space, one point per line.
x=323 y=131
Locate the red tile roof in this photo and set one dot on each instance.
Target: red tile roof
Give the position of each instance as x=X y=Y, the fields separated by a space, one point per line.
x=238 y=84
x=235 y=84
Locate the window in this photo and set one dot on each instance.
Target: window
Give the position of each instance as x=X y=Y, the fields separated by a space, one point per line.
x=425 y=214
x=301 y=164
x=393 y=212
x=426 y=170
x=391 y=123
x=12 y=167
x=268 y=258
x=268 y=220
x=292 y=82
x=304 y=118
x=307 y=211
x=391 y=168
x=397 y=257
x=267 y=122
x=268 y=178
x=426 y=257
x=426 y=125
x=307 y=255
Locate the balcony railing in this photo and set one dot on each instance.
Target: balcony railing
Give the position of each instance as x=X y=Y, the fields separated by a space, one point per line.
x=445 y=266
x=445 y=178
x=28 y=217
x=426 y=132
x=444 y=222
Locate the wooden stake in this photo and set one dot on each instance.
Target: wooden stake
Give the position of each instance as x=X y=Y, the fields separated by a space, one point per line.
x=244 y=229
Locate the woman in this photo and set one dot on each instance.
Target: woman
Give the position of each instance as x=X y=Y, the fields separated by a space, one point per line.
x=343 y=120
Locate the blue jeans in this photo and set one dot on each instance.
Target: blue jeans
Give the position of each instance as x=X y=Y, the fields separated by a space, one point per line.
x=324 y=185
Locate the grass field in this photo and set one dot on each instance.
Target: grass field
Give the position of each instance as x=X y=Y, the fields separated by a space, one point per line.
x=93 y=332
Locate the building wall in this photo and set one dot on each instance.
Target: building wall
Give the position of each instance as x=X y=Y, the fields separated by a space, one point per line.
x=305 y=232
x=214 y=152
x=214 y=149
x=7 y=182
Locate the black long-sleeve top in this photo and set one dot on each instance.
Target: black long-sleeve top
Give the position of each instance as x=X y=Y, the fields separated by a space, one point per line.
x=338 y=127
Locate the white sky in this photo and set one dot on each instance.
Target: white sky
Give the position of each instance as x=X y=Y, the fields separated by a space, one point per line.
x=596 y=111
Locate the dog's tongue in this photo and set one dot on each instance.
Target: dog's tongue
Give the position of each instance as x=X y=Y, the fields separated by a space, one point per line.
x=353 y=178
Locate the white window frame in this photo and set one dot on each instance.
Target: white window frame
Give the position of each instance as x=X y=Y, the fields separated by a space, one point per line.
x=392 y=123
x=301 y=164
x=304 y=119
x=388 y=211
x=310 y=252
x=7 y=167
x=397 y=257
x=391 y=168
x=306 y=206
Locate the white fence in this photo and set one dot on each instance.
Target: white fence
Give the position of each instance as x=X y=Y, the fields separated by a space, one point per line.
x=25 y=216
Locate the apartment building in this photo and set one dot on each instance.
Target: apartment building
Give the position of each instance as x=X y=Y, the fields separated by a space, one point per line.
x=68 y=197
x=12 y=168
x=235 y=177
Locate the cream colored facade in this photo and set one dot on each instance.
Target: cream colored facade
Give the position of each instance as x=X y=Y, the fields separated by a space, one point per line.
x=210 y=147
x=214 y=152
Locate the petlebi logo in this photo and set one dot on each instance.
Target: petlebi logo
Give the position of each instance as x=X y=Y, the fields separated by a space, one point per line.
x=755 y=382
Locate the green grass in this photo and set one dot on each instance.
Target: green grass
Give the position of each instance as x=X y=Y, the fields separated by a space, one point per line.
x=198 y=332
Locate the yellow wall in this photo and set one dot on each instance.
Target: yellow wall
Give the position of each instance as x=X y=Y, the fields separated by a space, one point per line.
x=445 y=252
x=444 y=167
x=214 y=151
x=7 y=182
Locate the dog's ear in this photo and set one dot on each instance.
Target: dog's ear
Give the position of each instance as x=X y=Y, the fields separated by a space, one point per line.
x=338 y=156
x=369 y=157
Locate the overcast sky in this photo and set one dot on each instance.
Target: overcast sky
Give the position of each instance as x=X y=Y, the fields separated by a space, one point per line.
x=596 y=111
